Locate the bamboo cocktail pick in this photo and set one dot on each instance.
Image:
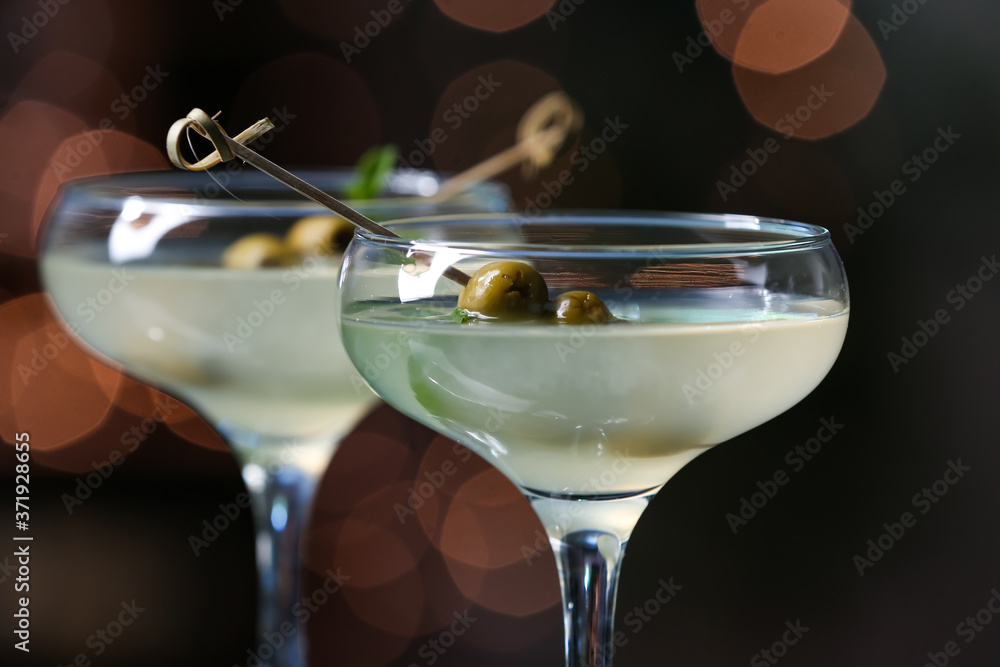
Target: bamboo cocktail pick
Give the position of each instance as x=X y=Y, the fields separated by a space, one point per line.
x=541 y=132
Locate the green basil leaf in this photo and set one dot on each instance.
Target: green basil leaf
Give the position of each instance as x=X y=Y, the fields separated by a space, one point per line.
x=461 y=315
x=370 y=174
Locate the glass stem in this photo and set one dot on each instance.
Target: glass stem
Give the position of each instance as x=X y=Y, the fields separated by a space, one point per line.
x=280 y=512
x=589 y=562
x=588 y=539
x=281 y=476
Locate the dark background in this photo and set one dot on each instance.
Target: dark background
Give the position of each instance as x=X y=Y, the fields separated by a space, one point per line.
x=793 y=562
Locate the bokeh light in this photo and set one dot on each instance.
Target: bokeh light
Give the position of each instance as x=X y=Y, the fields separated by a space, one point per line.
x=365 y=462
x=189 y=425
x=478 y=125
x=783 y=35
x=86 y=28
x=151 y=405
x=827 y=96
x=397 y=607
x=115 y=440
x=346 y=640
x=443 y=595
x=773 y=36
x=355 y=23
x=444 y=469
x=470 y=536
x=371 y=554
x=510 y=633
x=136 y=398
x=30 y=133
x=93 y=153
x=375 y=546
x=53 y=388
x=72 y=81
x=494 y=546
x=723 y=21
x=314 y=101
x=319 y=542
x=494 y=16
x=480 y=120
x=517 y=590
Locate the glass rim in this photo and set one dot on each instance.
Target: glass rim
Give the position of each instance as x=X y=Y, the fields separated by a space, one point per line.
x=800 y=235
x=167 y=187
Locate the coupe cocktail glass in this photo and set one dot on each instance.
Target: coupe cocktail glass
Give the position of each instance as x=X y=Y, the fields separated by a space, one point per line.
x=723 y=322
x=134 y=265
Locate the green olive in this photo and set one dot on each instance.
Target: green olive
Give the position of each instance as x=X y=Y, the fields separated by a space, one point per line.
x=505 y=290
x=579 y=308
x=319 y=235
x=258 y=250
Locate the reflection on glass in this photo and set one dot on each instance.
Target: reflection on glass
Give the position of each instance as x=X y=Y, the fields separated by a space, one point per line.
x=135 y=264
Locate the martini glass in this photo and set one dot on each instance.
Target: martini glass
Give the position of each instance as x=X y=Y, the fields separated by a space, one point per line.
x=723 y=322
x=134 y=265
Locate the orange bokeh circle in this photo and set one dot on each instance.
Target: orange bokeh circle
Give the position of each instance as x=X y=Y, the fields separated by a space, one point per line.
x=494 y=16
x=827 y=96
x=51 y=387
x=496 y=549
x=772 y=36
x=782 y=35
